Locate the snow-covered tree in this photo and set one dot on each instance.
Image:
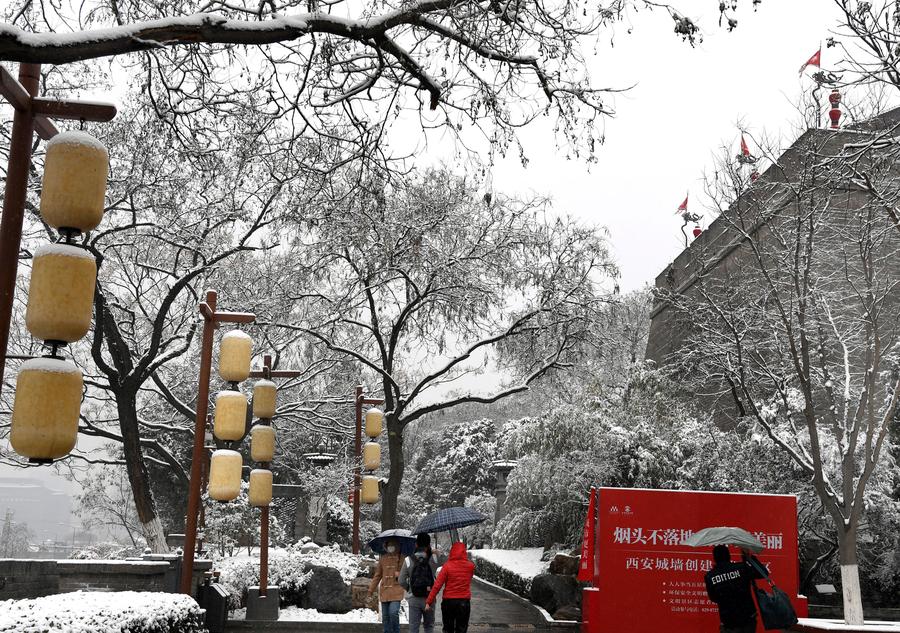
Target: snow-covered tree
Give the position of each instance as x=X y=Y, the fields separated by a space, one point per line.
x=426 y=283
x=799 y=328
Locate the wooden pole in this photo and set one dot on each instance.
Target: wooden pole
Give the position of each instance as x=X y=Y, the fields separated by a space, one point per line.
x=357 y=475
x=19 y=165
x=190 y=528
x=264 y=551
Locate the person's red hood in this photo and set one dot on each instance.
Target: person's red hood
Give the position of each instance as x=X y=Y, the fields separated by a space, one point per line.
x=458 y=552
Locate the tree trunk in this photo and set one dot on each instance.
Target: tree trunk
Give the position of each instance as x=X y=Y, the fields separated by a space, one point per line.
x=138 y=476
x=391 y=491
x=853 y=609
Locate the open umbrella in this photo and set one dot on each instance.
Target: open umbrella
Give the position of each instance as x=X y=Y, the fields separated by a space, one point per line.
x=724 y=536
x=449 y=519
x=404 y=538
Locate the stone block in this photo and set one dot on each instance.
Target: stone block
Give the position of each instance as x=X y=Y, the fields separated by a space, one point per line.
x=359 y=593
x=564 y=565
x=568 y=612
x=262 y=607
x=326 y=592
x=552 y=591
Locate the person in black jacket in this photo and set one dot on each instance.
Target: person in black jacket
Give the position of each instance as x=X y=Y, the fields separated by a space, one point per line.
x=730 y=585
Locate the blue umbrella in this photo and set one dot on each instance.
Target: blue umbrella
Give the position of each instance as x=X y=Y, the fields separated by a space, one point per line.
x=404 y=539
x=449 y=519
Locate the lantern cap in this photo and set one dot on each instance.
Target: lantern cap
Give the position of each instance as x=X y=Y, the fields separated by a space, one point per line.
x=264 y=383
x=260 y=471
x=76 y=137
x=66 y=250
x=375 y=410
x=229 y=393
x=236 y=334
x=50 y=365
x=226 y=452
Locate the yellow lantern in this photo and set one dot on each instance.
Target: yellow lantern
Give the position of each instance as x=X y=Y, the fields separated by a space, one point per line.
x=61 y=293
x=374 y=421
x=264 y=399
x=260 y=487
x=74 y=185
x=371 y=455
x=46 y=407
x=234 y=356
x=369 y=489
x=231 y=416
x=225 y=475
x=262 y=443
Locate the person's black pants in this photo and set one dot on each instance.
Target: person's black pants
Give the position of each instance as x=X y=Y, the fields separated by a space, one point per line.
x=455 y=614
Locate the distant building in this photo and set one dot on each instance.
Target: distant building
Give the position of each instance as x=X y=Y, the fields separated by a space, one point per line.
x=46 y=512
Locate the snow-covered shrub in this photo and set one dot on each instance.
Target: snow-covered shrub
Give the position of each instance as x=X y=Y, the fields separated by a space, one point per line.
x=105 y=551
x=289 y=569
x=339 y=520
x=102 y=612
x=506 y=578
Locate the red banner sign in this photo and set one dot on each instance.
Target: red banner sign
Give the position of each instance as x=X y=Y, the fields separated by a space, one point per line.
x=649 y=582
x=586 y=571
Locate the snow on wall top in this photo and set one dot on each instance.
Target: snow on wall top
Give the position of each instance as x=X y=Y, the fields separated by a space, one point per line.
x=63 y=250
x=50 y=365
x=75 y=137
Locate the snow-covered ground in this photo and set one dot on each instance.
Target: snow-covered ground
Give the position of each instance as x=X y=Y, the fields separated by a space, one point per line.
x=296 y=614
x=526 y=563
x=97 y=612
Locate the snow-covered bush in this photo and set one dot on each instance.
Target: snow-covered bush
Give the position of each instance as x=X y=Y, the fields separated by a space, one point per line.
x=289 y=568
x=339 y=520
x=105 y=551
x=102 y=612
x=511 y=569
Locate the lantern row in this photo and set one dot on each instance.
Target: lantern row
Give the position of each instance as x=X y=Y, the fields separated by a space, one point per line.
x=60 y=298
x=229 y=424
x=371 y=456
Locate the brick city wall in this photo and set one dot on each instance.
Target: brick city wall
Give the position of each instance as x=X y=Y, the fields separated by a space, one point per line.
x=23 y=578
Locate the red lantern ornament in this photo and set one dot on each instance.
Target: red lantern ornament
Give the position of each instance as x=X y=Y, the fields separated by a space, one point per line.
x=835 y=112
x=697 y=231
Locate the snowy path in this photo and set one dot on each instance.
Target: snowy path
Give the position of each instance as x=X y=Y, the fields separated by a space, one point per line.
x=493 y=611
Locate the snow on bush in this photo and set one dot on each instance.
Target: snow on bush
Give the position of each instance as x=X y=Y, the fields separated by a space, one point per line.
x=511 y=569
x=103 y=612
x=289 y=568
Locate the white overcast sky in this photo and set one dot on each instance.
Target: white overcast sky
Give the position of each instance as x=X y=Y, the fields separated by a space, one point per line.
x=684 y=107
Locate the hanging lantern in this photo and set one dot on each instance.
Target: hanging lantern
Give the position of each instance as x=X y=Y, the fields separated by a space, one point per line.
x=697 y=231
x=260 y=487
x=46 y=407
x=225 y=475
x=262 y=443
x=231 y=416
x=74 y=185
x=234 y=356
x=264 y=399
x=371 y=455
x=369 y=493
x=61 y=293
x=374 y=421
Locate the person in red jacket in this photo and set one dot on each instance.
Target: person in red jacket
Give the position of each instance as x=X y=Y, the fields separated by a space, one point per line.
x=456 y=579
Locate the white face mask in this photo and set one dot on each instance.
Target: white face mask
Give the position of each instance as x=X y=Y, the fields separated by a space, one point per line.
x=390 y=549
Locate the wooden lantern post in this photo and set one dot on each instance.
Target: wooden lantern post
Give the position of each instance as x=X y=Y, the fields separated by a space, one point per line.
x=360 y=401
x=211 y=320
x=32 y=114
x=267 y=373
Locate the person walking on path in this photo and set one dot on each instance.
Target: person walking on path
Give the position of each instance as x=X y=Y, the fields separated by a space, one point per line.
x=455 y=577
x=730 y=586
x=417 y=576
x=390 y=593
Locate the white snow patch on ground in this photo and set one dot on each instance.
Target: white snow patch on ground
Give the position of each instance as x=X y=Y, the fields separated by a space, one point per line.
x=526 y=563
x=96 y=612
x=296 y=614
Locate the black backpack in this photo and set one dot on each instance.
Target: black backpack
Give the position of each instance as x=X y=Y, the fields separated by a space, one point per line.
x=421 y=578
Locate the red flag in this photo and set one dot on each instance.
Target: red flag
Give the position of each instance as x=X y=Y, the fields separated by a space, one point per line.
x=744 y=149
x=815 y=60
x=683 y=206
x=586 y=571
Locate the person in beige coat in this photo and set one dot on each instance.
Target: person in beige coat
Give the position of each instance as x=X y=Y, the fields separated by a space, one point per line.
x=390 y=592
